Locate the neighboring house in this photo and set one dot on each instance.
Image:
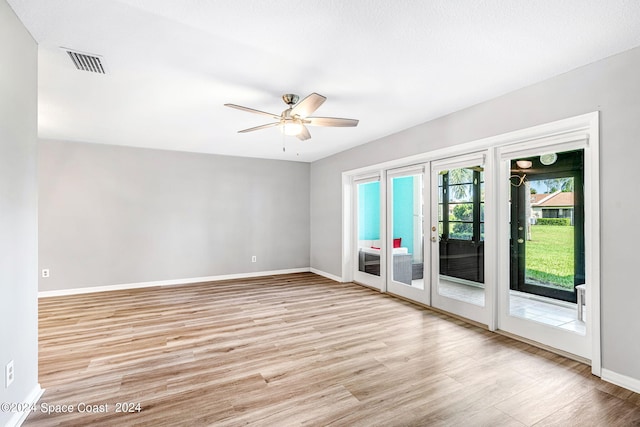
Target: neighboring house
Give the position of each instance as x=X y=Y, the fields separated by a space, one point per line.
x=554 y=205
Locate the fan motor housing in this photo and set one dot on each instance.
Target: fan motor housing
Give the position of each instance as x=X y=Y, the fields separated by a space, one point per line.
x=290 y=99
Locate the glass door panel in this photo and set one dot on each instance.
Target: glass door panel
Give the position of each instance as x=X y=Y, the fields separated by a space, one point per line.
x=547 y=225
x=458 y=237
x=405 y=243
x=369 y=248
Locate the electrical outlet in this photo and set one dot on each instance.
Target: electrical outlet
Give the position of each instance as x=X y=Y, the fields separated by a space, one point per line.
x=45 y=272
x=8 y=374
x=253 y=259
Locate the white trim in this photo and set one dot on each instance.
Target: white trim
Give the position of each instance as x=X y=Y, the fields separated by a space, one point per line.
x=546 y=144
x=625 y=381
x=406 y=171
x=327 y=275
x=592 y=240
x=32 y=400
x=348 y=206
x=370 y=177
x=453 y=162
x=174 y=282
x=559 y=128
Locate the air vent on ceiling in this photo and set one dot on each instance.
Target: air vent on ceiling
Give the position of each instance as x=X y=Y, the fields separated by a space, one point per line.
x=87 y=61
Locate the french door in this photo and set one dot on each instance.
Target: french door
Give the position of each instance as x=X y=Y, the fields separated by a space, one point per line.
x=544 y=191
x=505 y=234
x=459 y=223
x=436 y=235
x=405 y=243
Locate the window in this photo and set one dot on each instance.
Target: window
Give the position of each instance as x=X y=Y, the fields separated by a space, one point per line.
x=461 y=204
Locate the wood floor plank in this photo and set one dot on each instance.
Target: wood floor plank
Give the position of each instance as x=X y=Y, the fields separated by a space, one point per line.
x=300 y=349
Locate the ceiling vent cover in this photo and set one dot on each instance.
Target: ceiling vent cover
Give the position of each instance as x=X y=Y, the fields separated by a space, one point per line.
x=87 y=61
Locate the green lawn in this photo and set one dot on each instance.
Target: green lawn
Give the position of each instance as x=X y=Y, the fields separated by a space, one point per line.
x=549 y=256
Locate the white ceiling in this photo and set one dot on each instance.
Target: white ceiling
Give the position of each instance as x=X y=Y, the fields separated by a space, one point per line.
x=391 y=64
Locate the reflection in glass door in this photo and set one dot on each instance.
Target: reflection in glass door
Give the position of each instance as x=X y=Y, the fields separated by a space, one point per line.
x=405 y=243
x=458 y=237
x=369 y=247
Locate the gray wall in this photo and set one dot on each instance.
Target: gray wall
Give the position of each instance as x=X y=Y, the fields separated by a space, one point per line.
x=117 y=215
x=18 y=210
x=611 y=86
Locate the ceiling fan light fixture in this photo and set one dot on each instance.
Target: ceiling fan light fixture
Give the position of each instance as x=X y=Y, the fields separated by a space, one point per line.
x=294 y=120
x=292 y=128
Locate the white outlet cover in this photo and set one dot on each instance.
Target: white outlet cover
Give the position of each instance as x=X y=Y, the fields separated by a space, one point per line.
x=9 y=374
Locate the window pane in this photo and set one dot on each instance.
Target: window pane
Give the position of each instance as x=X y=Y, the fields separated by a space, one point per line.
x=460 y=176
x=461 y=193
x=461 y=212
x=461 y=257
x=369 y=227
x=547 y=225
x=407 y=233
x=550 y=240
x=460 y=230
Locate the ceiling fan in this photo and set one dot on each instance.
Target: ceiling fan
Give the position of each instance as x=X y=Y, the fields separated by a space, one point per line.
x=294 y=120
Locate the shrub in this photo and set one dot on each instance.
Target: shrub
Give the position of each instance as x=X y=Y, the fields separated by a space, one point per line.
x=553 y=221
x=461 y=236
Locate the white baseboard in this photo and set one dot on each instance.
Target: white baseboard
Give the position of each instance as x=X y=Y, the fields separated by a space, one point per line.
x=629 y=383
x=325 y=274
x=91 y=289
x=18 y=417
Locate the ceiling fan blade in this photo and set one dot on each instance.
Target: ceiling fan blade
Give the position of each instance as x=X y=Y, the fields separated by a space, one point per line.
x=269 y=125
x=331 y=121
x=304 y=134
x=251 y=110
x=308 y=105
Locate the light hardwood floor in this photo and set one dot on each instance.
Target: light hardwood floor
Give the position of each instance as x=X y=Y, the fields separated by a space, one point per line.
x=301 y=350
